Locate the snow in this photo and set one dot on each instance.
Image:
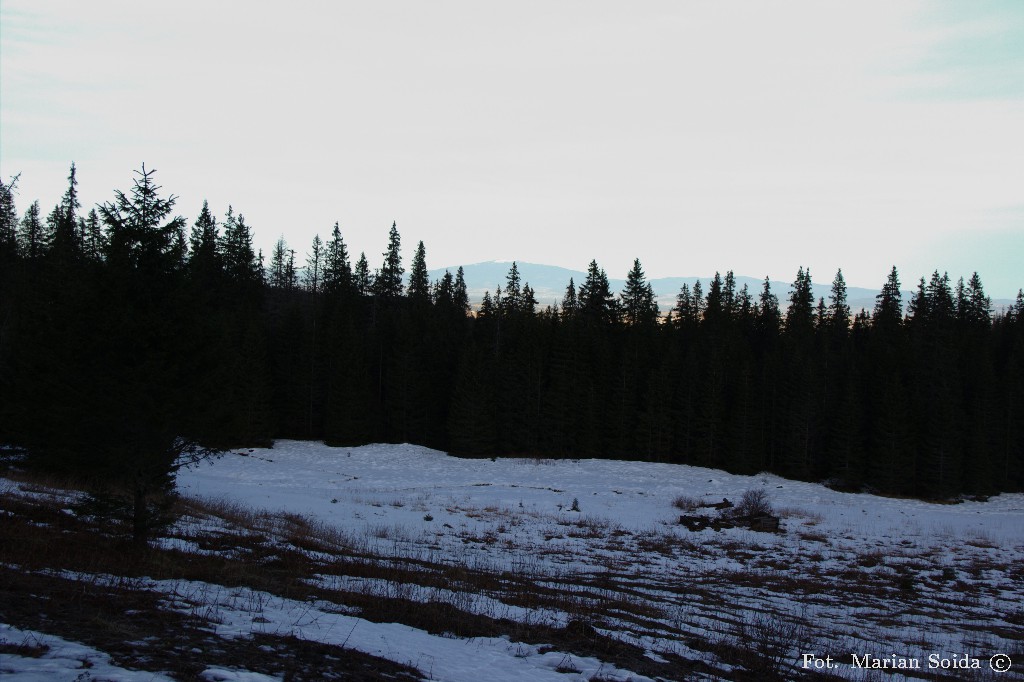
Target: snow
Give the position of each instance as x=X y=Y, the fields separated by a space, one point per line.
x=623 y=556
x=62 y=660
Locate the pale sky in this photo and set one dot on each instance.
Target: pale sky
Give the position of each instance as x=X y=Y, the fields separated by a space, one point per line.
x=697 y=136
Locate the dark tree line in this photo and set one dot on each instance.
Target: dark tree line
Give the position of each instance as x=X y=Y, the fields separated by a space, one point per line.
x=130 y=340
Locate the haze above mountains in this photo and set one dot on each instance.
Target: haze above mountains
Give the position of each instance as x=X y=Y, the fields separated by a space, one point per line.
x=550 y=281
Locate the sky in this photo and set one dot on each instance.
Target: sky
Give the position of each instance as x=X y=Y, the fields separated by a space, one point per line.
x=750 y=136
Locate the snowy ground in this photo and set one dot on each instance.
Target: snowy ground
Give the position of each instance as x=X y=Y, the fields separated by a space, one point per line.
x=592 y=547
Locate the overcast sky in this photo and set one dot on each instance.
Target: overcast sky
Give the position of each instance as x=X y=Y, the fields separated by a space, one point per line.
x=697 y=136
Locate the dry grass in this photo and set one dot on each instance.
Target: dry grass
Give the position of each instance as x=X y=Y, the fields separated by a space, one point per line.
x=280 y=554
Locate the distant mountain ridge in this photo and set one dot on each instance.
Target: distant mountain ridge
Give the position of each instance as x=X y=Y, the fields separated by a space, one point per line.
x=549 y=283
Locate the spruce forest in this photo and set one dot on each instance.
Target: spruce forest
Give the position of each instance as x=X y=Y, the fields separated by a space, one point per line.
x=133 y=340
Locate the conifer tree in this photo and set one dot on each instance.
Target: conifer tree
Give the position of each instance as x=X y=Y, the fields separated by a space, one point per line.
x=715 y=310
x=136 y=235
x=570 y=304
x=745 y=305
x=978 y=306
x=800 y=316
x=240 y=261
x=364 y=281
x=888 y=313
x=821 y=315
x=291 y=274
x=277 y=274
x=92 y=237
x=838 y=308
x=419 y=280
x=511 y=303
x=769 y=317
x=461 y=295
x=388 y=282
x=597 y=304
x=337 y=269
x=941 y=308
x=486 y=306
x=731 y=301
x=638 y=304
x=444 y=291
x=64 y=235
x=8 y=220
x=682 y=314
x=314 y=266
x=134 y=412
x=698 y=305
x=31 y=240
x=205 y=259
x=528 y=301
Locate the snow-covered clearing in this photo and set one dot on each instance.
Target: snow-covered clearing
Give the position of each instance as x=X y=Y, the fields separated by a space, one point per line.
x=510 y=551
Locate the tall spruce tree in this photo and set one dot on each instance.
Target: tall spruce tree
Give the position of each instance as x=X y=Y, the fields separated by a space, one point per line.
x=597 y=305
x=277 y=277
x=364 y=282
x=838 y=308
x=8 y=220
x=388 y=282
x=205 y=258
x=92 y=237
x=638 y=304
x=64 y=239
x=31 y=238
x=240 y=261
x=419 y=280
x=888 y=313
x=137 y=385
x=461 y=295
x=337 y=269
x=313 y=275
x=570 y=304
x=800 y=315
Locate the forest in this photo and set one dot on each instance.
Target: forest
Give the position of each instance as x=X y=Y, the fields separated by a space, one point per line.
x=134 y=341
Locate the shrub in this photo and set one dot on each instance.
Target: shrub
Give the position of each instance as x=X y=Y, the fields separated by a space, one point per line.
x=754 y=503
x=686 y=503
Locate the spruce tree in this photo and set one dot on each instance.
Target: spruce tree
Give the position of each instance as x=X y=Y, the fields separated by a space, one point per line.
x=682 y=315
x=800 y=315
x=277 y=275
x=205 y=258
x=512 y=301
x=64 y=234
x=419 y=280
x=597 y=305
x=444 y=291
x=314 y=273
x=364 y=282
x=240 y=261
x=139 y=376
x=337 y=269
x=388 y=282
x=978 y=306
x=698 y=305
x=888 y=313
x=528 y=301
x=715 y=311
x=570 y=304
x=638 y=304
x=31 y=239
x=838 y=308
x=291 y=274
x=769 y=317
x=92 y=237
x=461 y=295
x=8 y=220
